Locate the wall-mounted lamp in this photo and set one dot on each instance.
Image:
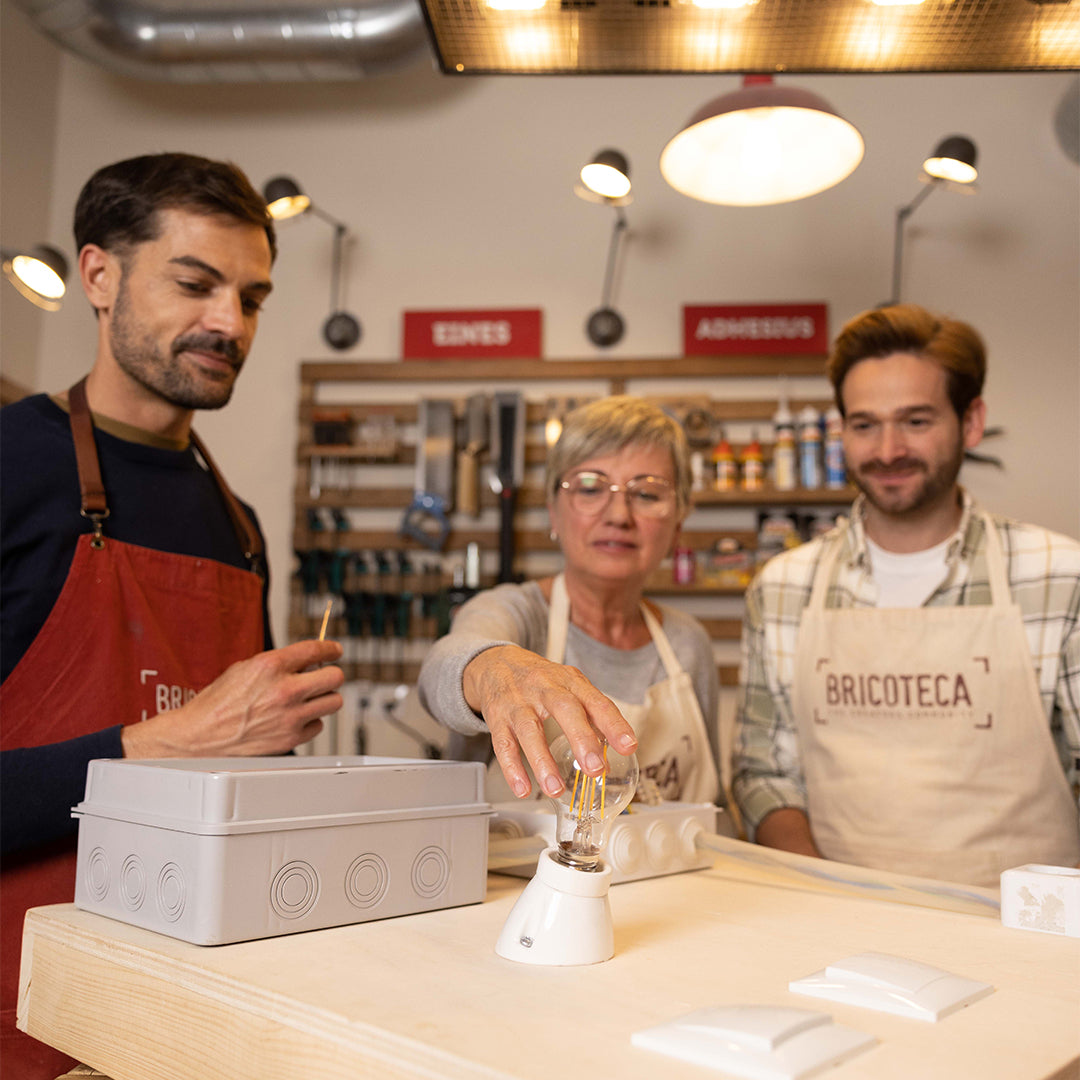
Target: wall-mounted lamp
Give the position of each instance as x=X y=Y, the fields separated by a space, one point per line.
x=285 y=199
x=39 y=274
x=606 y=179
x=761 y=144
x=952 y=162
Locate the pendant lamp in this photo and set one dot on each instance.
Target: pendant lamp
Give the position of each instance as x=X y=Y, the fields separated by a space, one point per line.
x=761 y=144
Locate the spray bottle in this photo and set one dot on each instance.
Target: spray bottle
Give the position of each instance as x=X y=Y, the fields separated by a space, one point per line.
x=784 y=468
x=835 y=474
x=810 y=447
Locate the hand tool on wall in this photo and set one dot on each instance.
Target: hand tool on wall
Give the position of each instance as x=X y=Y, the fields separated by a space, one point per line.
x=312 y=561
x=508 y=452
x=433 y=491
x=474 y=442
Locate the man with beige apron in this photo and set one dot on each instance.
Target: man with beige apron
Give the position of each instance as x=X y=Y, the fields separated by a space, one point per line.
x=924 y=743
x=911 y=680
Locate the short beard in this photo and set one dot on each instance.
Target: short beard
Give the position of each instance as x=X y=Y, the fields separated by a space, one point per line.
x=935 y=486
x=140 y=356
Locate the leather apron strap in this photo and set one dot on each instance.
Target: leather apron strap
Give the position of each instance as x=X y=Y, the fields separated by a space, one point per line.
x=92 y=490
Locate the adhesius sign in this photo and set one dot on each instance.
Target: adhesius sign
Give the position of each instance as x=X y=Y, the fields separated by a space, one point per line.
x=739 y=329
x=475 y=335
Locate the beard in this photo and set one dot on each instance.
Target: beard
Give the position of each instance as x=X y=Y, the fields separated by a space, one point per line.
x=141 y=356
x=936 y=483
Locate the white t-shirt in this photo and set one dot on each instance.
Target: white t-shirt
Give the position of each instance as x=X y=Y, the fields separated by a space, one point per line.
x=907 y=580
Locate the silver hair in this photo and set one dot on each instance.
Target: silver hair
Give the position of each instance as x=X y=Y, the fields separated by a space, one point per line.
x=612 y=424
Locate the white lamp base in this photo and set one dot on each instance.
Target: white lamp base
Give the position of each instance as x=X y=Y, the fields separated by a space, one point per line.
x=562 y=918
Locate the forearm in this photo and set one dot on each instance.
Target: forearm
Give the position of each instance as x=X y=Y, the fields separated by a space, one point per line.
x=39 y=785
x=789 y=830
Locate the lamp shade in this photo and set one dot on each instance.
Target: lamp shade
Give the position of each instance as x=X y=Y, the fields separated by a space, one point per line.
x=953 y=159
x=607 y=175
x=284 y=199
x=39 y=274
x=761 y=144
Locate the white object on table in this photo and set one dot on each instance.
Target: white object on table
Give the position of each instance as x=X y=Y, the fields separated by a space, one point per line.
x=1044 y=898
x=892 y=984
x=762 y=1042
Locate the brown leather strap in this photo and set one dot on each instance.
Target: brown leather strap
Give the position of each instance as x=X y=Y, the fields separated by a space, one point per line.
x=242 y=523
x=91 y=489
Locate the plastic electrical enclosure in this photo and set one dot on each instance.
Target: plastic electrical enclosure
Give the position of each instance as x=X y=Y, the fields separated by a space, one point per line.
x=762 y=1042
x=233 y=849
x=892 y=984
x=647 y=841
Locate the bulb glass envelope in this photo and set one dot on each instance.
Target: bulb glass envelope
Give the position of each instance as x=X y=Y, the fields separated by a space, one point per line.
x=588 y=805
x=760 y=145
x=39 y=275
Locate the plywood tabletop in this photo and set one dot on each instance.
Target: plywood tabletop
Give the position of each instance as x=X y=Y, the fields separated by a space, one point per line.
x=425 y=996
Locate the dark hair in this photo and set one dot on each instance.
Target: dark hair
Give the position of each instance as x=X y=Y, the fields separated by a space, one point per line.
x=118 y=206
x=908 y=328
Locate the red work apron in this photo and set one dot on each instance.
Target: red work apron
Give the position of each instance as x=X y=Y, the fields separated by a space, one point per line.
x=133 y=632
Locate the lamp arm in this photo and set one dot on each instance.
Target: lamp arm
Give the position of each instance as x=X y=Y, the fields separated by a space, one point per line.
x=898 y=243
x=319 y=212
x=613 y=249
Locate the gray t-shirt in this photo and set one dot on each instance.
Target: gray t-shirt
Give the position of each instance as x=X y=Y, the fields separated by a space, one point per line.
x=518 y=615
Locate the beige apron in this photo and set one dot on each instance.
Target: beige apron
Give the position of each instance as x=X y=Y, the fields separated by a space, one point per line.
x=673 y=745
x=924 y=743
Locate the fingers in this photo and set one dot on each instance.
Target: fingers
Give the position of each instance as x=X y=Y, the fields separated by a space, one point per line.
x=302 y=654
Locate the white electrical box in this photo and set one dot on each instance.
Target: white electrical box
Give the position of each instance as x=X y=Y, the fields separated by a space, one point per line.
x=643 y=842
x=232 y=849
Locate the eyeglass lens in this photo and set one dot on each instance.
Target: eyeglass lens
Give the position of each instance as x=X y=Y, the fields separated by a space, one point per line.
x=590 y=493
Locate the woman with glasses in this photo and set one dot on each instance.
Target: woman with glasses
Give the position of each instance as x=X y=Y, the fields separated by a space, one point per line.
x=583 y=652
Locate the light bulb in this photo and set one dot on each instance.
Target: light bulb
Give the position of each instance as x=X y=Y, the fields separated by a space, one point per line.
x=588 y=805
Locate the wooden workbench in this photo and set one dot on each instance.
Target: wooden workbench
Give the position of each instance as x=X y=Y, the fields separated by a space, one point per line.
x=426 y=996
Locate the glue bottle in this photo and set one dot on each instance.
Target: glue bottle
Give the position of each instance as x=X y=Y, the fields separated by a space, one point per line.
x=784 y=469
x=753 y=465
x=810 y=447
x=726 y=470
x=835 y=474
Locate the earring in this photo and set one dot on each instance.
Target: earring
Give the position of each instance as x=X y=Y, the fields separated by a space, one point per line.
x=553 y=534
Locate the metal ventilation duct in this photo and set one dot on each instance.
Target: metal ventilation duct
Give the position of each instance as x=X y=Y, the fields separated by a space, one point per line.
x=198 y=41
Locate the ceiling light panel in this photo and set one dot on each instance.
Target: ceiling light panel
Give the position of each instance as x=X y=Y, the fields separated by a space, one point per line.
x=810 y=36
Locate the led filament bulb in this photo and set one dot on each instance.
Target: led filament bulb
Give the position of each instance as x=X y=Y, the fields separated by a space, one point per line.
x=588 y=805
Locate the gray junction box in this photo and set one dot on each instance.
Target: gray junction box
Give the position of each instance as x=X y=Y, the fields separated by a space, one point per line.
x=220 y=850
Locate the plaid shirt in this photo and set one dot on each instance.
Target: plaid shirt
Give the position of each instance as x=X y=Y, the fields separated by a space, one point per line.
x=1044 y=577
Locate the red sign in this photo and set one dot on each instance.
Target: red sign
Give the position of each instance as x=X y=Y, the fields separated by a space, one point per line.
x=741 y=329
x=472 y=335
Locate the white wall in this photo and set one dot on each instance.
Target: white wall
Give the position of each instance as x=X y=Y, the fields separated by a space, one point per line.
x=459 y=191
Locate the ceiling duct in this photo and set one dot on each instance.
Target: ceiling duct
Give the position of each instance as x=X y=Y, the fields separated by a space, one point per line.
x=199 y=41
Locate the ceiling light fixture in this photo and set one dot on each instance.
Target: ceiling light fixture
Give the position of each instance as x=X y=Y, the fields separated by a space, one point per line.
x=952 y=163
x=761 y=144
x=39 y=274
x=606 y=179
x=285 y=199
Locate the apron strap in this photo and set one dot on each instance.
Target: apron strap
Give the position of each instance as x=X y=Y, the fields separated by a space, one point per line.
x=995 y=564
x=820 y=587
x=91 y=489
x=559 y=626
x=242 y=523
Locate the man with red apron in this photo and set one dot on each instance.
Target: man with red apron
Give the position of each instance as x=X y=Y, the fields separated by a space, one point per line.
x=911 y=679
x=153 y=645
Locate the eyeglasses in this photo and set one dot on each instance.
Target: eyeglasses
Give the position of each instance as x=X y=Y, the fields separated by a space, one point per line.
x=590 y=493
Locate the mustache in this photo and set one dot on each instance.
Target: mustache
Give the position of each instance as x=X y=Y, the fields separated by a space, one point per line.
x=871 y=468
x=216 y=344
